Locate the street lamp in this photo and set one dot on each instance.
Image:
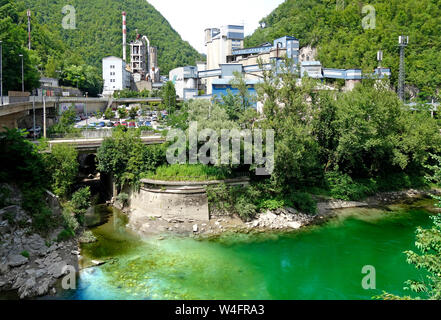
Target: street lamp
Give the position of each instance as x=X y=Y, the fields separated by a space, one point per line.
x=1 y=71
x=22 y=73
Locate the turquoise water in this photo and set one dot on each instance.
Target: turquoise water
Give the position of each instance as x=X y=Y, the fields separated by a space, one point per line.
x=320 y=262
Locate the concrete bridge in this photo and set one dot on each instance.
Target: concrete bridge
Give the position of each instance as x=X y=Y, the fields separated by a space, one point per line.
x=92 y=145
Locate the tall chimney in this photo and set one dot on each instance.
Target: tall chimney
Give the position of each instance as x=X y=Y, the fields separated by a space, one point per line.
x=124 y=36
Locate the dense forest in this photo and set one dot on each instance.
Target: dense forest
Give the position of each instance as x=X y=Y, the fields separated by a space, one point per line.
x=74 y=55
x=335 y=28
x=98 y=29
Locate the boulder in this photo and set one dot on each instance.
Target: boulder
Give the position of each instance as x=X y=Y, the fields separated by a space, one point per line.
x=195 y=228
x=17 y=260
x=294 y=225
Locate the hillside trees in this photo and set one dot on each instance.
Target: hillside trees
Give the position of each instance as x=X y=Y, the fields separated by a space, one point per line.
x=343 y=43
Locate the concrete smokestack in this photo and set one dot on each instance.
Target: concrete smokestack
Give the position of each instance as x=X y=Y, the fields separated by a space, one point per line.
x=124 y=36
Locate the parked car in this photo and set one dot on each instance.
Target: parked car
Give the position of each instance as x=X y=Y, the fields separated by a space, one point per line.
x=132 y=125
x=109 y=124
x=101 y=124
x=148 y=123
x=117 y=124
x=124 y=124
x=155 y=118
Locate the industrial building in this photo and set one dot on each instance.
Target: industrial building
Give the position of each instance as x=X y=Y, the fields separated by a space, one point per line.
x=141 y=73
x=226 y=55
x=116 y=76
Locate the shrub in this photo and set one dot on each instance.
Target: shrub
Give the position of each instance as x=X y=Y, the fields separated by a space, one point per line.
x=70 y=222
x=123 y=198
x=302 y=202
x=81 y=200
x=271 y=204
x=65 y=234
x=25 y=254
x=245 y=208
x=342 y=186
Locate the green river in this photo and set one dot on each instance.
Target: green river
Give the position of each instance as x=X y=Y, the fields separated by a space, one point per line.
x=318 y=262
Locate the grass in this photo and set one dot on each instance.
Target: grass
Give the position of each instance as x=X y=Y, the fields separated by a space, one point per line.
x=188 y=172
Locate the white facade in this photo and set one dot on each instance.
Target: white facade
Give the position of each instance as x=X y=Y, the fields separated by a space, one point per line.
x=185 y=80
x=115 y=75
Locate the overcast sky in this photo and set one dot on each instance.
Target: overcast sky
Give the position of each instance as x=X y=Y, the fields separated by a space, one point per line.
x=191 y=17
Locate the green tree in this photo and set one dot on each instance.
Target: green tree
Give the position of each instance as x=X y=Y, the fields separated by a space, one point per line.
x=81 y=200
x=168 y=95
x=13 y=35
x=109 y=114
x=62 y=164
x=122 y=112
x=428 y=242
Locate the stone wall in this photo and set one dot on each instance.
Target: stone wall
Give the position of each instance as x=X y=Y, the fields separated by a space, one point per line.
x=172 y=200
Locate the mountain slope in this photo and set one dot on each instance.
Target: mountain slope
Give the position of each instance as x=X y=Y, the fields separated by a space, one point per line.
x=98 y=33
x=343 y=43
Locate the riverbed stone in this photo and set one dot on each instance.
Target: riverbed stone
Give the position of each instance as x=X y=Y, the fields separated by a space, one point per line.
x=17 y=260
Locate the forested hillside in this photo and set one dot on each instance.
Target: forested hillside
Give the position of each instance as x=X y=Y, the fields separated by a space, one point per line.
x=98 y=29
x=343 y=43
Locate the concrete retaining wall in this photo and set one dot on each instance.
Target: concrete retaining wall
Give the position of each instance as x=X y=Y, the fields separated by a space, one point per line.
x=173 y=200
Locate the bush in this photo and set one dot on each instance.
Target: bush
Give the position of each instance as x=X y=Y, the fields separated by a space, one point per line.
x=188 y=172
x=271 y=204
x=70 y=222
x=25 y=254
x=245 y=208
x=123 y=198
x=65 y=234
x=81 y=200
x=302 y=202
x=342 y=186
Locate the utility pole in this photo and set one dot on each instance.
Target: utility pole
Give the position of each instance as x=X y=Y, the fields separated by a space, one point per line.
x=22 y=73
x=44 y=113
x=85 y=106
x=1 y=71
x=403 y=42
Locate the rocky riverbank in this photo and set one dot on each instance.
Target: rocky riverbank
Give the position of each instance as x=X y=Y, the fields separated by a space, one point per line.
x=283 y=219
x=30 y=264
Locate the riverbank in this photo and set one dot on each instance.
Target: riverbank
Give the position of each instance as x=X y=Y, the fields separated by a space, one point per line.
x=283 y=219
x=31 y=264
x=259 y=265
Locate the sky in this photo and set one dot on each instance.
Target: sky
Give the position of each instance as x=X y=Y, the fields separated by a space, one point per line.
x=191 y=17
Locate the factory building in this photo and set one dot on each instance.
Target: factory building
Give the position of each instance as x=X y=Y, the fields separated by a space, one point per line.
x=116 y=76
x=144 y=60
x=141 y=73
x=185 y=80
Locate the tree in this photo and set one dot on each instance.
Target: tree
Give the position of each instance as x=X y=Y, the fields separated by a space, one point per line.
x=121 y=156
x=245 y=98
x=122 y=112
x=109 y=114
x=13 y=36
x=81 y=200
x=133 y=112
x=428 y=242
x=62 y=164
x=168 y=95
